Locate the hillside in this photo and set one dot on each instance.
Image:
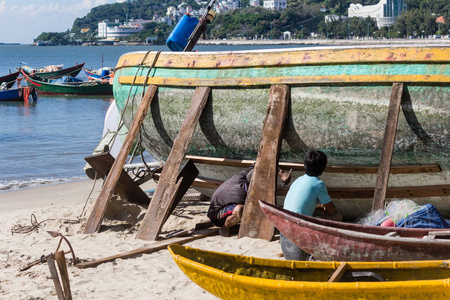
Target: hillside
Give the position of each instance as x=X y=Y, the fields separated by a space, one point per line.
x=301 y=18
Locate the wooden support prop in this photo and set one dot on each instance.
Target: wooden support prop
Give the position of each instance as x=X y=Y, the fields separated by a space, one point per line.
x=149 y=249
x=168 y=185
x=55 y=277
x=98 y=211
x=186 y=177
x=126 y=187
x=388 y=147
x=350 y=192
x=350 y=169
x=337 y=275
x=263 y=184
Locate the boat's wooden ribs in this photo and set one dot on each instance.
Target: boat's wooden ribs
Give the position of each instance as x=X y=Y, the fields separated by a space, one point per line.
x=349 y=192
x=169 y=186
x=352 y=169
x=254 y=224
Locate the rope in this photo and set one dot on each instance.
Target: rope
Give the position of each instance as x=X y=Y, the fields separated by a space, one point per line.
x=35 y=225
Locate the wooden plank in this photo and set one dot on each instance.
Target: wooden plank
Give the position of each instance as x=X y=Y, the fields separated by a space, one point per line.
x=169 y=184
x=187 y=177
x=388 y=147
x=263 y=184
x=350 y=192
x=151 y=248
x=351 y=169
x=62 y=266
x=126 y=187
x=337 y=275
x=55 y=278
x=98 y=211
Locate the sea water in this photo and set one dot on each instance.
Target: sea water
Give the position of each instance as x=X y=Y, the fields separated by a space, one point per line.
x=46 y=141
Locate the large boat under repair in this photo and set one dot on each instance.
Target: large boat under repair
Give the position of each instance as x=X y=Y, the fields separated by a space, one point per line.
x=339 y=99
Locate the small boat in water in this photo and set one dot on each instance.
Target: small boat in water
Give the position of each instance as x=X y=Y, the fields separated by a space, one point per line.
x=53 y=72
x=9 y=79
x=46 y=87
x=21 y=93
x=229 y=276
x=100 y=74
x=329 y=240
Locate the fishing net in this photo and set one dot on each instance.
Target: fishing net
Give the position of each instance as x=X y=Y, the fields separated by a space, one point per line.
x=395 y=210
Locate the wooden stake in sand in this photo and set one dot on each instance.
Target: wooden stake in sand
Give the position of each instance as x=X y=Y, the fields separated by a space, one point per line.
x=63 y=292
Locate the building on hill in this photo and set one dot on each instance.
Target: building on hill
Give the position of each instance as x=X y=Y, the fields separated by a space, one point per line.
x=275 y=4
x=385 y=12
x=117 y=30
x=254 y=3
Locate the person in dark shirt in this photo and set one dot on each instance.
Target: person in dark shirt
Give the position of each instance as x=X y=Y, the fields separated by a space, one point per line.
x=227 y=202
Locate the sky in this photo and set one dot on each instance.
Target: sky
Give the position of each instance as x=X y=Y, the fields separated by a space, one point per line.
x=21 y=21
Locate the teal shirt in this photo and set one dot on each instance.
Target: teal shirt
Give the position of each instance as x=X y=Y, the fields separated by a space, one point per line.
x=305 y=194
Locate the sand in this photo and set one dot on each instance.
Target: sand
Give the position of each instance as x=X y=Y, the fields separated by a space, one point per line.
x=59 y=208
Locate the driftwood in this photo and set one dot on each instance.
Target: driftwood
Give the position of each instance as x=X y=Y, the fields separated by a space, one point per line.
x=61 y=281
x=149 y=249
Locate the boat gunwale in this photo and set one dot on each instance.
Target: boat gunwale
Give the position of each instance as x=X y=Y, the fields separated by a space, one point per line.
x=252 y=58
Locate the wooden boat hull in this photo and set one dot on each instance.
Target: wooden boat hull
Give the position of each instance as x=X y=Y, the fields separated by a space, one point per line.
x=93 y=75
x=10 y=79
x=230 y=276
x=327 y=240
x=339 y=104
x=72 y=71
x=76 y=88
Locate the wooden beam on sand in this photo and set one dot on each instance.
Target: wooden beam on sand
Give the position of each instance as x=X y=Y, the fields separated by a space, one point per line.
x=388 y=147
x=149 y=249
x=168 y=185
x=98 y=211
x=263 y=184
x=347 y=169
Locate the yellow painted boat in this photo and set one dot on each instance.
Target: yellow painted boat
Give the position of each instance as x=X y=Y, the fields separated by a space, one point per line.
x=230 y=276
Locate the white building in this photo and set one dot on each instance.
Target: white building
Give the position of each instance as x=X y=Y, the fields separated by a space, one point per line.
x=254 y=3
x=385 y=12
x=224 y=6
x=275 y=4
x=116 y=30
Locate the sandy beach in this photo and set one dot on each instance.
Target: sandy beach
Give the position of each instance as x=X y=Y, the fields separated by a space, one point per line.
x=60 y=208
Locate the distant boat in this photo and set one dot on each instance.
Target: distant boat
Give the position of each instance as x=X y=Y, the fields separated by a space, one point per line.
x=18 y=94
x=231 y=276
x=329 y=240
x=9 y=79
x=70 y=88
x=53 y=72
x=100 y=74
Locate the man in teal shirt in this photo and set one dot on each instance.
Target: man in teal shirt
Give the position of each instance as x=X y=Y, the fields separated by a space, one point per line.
x=305 y=195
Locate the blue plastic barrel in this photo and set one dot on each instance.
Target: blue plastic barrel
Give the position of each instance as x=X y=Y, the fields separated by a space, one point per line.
x=179 y=36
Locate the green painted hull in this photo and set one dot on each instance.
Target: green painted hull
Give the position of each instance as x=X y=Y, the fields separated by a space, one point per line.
x=339 y=104
x=89 y=88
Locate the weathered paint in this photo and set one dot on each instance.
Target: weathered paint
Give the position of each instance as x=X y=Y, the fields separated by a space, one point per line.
x=287 y=57
x=230 y=276
x=328 y=241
